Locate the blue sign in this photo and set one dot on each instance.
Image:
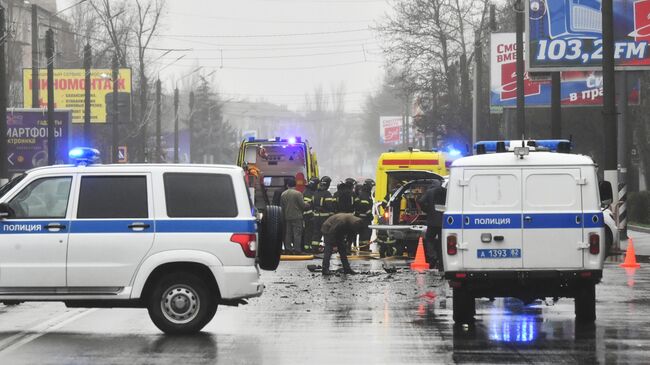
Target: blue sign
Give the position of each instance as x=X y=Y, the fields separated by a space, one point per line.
x=27 y=138
x=567 y=34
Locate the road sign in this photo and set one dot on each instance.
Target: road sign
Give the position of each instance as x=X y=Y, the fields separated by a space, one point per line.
x=567 y=34
x=122 y=154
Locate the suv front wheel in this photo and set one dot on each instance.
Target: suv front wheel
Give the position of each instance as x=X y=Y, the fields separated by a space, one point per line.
x=181 y=303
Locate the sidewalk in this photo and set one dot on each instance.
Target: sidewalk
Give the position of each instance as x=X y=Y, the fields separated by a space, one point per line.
x=641 y=242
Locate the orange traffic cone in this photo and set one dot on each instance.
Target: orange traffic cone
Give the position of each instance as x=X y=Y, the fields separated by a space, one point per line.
x=420 y=262
x=630 y=256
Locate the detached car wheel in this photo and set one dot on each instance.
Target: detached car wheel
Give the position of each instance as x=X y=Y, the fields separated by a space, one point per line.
x=270 y=236
x=585 y=303
x=181 y=303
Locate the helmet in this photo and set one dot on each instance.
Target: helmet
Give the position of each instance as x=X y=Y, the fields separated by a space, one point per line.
x=350 y=181
x=325 y=183
x=368 y=184
x=313 y=183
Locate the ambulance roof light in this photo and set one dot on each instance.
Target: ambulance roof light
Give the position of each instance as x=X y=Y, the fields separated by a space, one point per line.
x=84 y=156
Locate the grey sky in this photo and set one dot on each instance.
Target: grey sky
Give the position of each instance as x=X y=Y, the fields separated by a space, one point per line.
x=274 y=67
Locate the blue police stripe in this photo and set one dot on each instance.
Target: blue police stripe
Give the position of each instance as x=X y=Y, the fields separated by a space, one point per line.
x=514 y=221
x=554 y=220
x=19 y=226
x=109 y=226
x=205 y=226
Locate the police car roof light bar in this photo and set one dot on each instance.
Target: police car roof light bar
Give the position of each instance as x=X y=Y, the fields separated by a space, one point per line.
x=552 y=145
x=83 y=156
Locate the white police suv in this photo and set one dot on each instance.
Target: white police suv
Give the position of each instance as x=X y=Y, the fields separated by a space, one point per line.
x=175 y=239
x=525 y=225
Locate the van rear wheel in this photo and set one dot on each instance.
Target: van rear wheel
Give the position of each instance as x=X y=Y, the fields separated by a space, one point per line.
x=585 y=303
x=464 y=306
x=270 y=235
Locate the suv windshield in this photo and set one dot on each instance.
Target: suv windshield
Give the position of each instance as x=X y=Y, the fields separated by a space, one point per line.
x=13 y=182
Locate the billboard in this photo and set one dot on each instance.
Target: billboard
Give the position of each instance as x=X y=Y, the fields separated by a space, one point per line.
x=69 y=90
x=390 y=130
x=567 y=34
x=579 y=88
x=27 y=138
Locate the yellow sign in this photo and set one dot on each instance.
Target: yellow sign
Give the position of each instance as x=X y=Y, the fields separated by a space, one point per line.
x=69 y=90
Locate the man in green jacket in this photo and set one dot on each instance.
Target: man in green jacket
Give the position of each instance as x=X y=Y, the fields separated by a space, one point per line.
x=293 y=206
x=335 y=229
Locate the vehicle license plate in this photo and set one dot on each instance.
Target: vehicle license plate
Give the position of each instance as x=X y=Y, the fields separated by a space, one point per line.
x=502 y=253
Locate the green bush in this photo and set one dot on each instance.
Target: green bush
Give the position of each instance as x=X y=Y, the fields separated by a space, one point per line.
x=638 y=207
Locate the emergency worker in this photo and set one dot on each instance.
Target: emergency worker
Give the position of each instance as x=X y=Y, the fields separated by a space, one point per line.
x=387 y=243
x=335 y=229
x=344 y=197
x=436 y=194
x=308 y=214
x=363 y=210
x=324 y=206
x=293 y=206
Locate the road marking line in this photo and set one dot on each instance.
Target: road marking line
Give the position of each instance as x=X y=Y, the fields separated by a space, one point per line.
x=53 y=324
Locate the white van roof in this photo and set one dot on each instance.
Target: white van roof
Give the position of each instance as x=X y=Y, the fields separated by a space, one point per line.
x=533 y=159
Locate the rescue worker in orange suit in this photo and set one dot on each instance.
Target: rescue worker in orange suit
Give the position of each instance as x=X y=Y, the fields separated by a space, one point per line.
x=436 y=194
x=363 y=210
x=344 y=197
x=324 y=207
x=308 y=214
x=335 y=229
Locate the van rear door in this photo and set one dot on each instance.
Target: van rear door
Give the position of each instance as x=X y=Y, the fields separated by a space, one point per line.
x=492 y=233
x=553 y=219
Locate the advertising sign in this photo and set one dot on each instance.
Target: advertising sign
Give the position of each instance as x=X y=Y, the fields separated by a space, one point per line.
x=27 y=138
x=567 y=34
x=390 y=129
x=69 y=90
x=579 y=88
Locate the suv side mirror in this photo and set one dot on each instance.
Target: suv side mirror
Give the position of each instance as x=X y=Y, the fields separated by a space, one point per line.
x=6 y=211
x=606 y=195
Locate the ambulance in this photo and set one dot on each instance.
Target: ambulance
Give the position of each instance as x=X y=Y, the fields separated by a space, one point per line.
x=409 y=173
x=268 y=162
x=524 y=220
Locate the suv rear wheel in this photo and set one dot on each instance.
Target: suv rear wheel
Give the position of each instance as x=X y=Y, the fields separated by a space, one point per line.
x=585 y=303
x=270 y=238
x=464 y=306
x=181 y=303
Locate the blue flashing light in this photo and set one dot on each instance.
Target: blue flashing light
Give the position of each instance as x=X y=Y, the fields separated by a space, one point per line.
x=292 y=140
x=251 y=139
x=490 y=146
x=452 y=152
x=555 y=144
x=82 y=156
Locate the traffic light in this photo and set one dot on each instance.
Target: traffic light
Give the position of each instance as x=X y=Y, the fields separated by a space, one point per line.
x=123 y=107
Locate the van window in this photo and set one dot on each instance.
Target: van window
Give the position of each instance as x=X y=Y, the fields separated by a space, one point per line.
x=551 y=190
x=200 y=196
x=105 y=197
x=494 y=191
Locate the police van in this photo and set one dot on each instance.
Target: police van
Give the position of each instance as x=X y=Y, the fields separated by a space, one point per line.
x=525 y=222
x=176 y=239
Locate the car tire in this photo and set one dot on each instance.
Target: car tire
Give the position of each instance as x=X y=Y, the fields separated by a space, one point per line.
x=585 y=303
x=270 y=236
x=464 y=306
x=181 y=303
x=609 y=242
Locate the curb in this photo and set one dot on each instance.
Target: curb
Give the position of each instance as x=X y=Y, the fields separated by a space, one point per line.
x=638 y=228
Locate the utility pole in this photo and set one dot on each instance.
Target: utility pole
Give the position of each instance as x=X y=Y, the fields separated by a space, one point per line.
x=609 y=98
x=4 y=168
x=143 y=112
x=521 y=121
x=49 y=55
x=88 y=60
x=158 y=122
x=35 y=81
x=191 y=126
x=556 y=105
x=176 y=159
x=622 y=154
x=116 y=118
x=476 y=102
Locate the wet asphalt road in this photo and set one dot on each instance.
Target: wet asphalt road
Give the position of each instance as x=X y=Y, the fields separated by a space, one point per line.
x=372 y=318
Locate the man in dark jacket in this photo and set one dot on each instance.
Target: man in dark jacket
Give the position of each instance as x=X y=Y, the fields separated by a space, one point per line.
x=436 y=194
x=335 y=229
x=323 y=206
x=308 y=214
x=363 y=210
x=293 y=205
